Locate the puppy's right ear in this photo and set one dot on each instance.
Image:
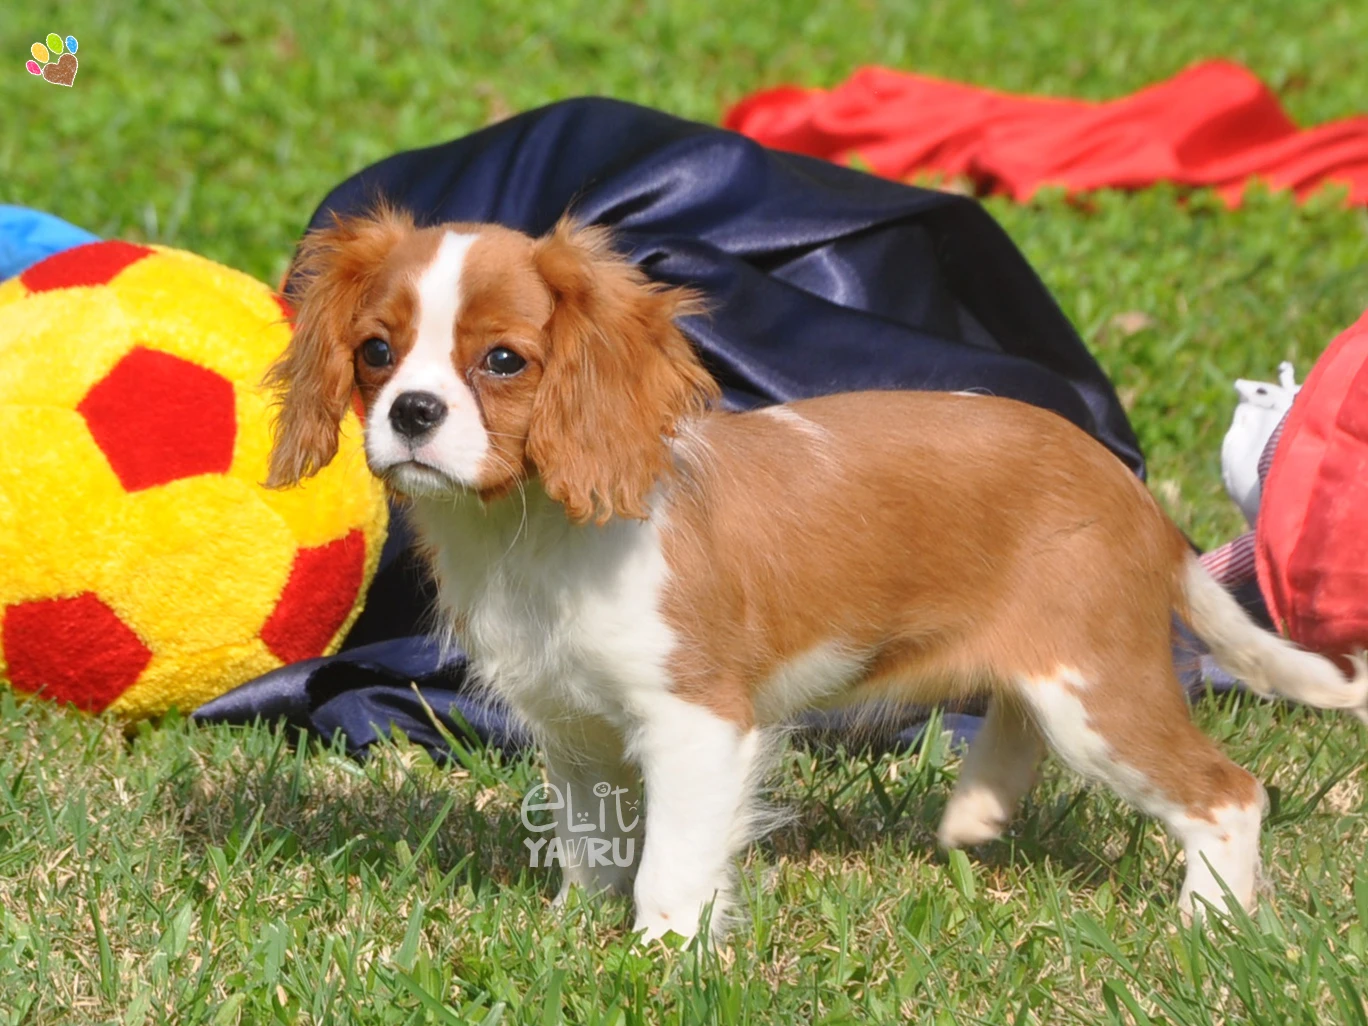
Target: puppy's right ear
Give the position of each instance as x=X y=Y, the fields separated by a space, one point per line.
x=314 y=378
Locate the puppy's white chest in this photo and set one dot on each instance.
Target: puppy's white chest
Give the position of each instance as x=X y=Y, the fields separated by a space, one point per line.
x=561 y=621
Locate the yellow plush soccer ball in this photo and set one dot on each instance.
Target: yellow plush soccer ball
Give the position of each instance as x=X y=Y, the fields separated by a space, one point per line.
x=142 y=563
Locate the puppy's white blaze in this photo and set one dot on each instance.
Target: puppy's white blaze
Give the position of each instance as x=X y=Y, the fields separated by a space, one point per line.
x=459 y=446
x=820 y=672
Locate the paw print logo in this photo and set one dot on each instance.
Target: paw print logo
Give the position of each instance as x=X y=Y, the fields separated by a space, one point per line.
x=56 y=62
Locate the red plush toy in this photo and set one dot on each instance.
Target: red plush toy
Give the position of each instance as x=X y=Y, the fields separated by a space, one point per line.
x=1309 y=545
x=1312 y=533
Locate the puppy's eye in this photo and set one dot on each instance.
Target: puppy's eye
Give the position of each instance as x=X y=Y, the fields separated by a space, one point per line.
x=376 y=352
x=504 y=362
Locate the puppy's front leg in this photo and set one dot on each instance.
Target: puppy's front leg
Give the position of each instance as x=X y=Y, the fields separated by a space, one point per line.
x=699 y=771
x=599 y=822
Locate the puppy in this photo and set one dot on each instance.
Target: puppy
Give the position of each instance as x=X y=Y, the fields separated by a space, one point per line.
x=655 y=585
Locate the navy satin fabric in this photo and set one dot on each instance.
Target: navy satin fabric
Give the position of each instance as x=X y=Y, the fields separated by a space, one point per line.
x=820 y=279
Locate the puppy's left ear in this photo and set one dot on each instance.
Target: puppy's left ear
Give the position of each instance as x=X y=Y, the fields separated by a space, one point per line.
x=618 y=379
x=315 y=377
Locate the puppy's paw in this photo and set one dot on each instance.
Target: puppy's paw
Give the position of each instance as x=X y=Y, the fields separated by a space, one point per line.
x=972 y=818
x=684 y=921
x=657 y=927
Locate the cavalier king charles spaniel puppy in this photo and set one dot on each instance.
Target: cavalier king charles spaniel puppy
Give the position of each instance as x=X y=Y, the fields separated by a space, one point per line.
x=656 y=585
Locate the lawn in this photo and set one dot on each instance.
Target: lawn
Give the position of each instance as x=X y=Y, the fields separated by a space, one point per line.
x=221 y=875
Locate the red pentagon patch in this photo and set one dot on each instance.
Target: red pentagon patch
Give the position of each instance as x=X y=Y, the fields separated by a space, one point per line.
x=158 y=418
x=320 y=592
x=73 y=650
x=92 y=264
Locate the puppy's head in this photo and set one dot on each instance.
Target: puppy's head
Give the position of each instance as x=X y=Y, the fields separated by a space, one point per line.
x=483 y=357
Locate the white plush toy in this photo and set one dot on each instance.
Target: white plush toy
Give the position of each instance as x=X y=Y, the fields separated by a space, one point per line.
x=1259 y=412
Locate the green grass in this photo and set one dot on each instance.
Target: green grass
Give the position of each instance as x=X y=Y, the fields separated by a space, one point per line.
x=216 y=875
x=225 y=876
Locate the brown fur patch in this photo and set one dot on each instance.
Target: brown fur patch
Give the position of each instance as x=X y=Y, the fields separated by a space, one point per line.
x=893 y=526
x=619 y=379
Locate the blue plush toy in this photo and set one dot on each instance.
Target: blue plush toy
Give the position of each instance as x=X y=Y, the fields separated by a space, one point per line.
x=27 y=236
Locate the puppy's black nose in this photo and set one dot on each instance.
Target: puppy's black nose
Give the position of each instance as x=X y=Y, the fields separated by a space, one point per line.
x=414 y=414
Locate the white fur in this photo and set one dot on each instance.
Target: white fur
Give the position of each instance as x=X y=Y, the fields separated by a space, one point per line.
x=788 y=415
x=1223 y=849
x=998 y=770
x=1057 y=709
x=564 y=623
x=457 y=449
x=701 y=772
x=1268 y=664
x=804 y=681
x=561 y=620
x=1059 y=713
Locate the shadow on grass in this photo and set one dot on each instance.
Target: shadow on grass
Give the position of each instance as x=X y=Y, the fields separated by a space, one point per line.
x=386 y=813
x=859 y=807
x=288 y=805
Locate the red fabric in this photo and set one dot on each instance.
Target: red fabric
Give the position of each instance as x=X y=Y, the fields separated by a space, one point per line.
x=1312 y=533
x=158 y=418
x=317 y=597
x=73 y=650
x=1214 y=124
x=92 y=264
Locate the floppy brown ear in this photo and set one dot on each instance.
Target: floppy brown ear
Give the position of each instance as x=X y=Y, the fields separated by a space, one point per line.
x=314 y=378
x=617 y=381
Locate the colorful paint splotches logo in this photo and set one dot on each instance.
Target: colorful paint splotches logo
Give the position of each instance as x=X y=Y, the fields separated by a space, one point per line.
x=56 y=62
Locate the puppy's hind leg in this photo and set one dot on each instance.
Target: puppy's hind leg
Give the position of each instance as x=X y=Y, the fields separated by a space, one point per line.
x=1136 y=736
x=997 y=772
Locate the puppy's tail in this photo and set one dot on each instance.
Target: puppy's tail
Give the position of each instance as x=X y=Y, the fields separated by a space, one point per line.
x=1267 y=663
